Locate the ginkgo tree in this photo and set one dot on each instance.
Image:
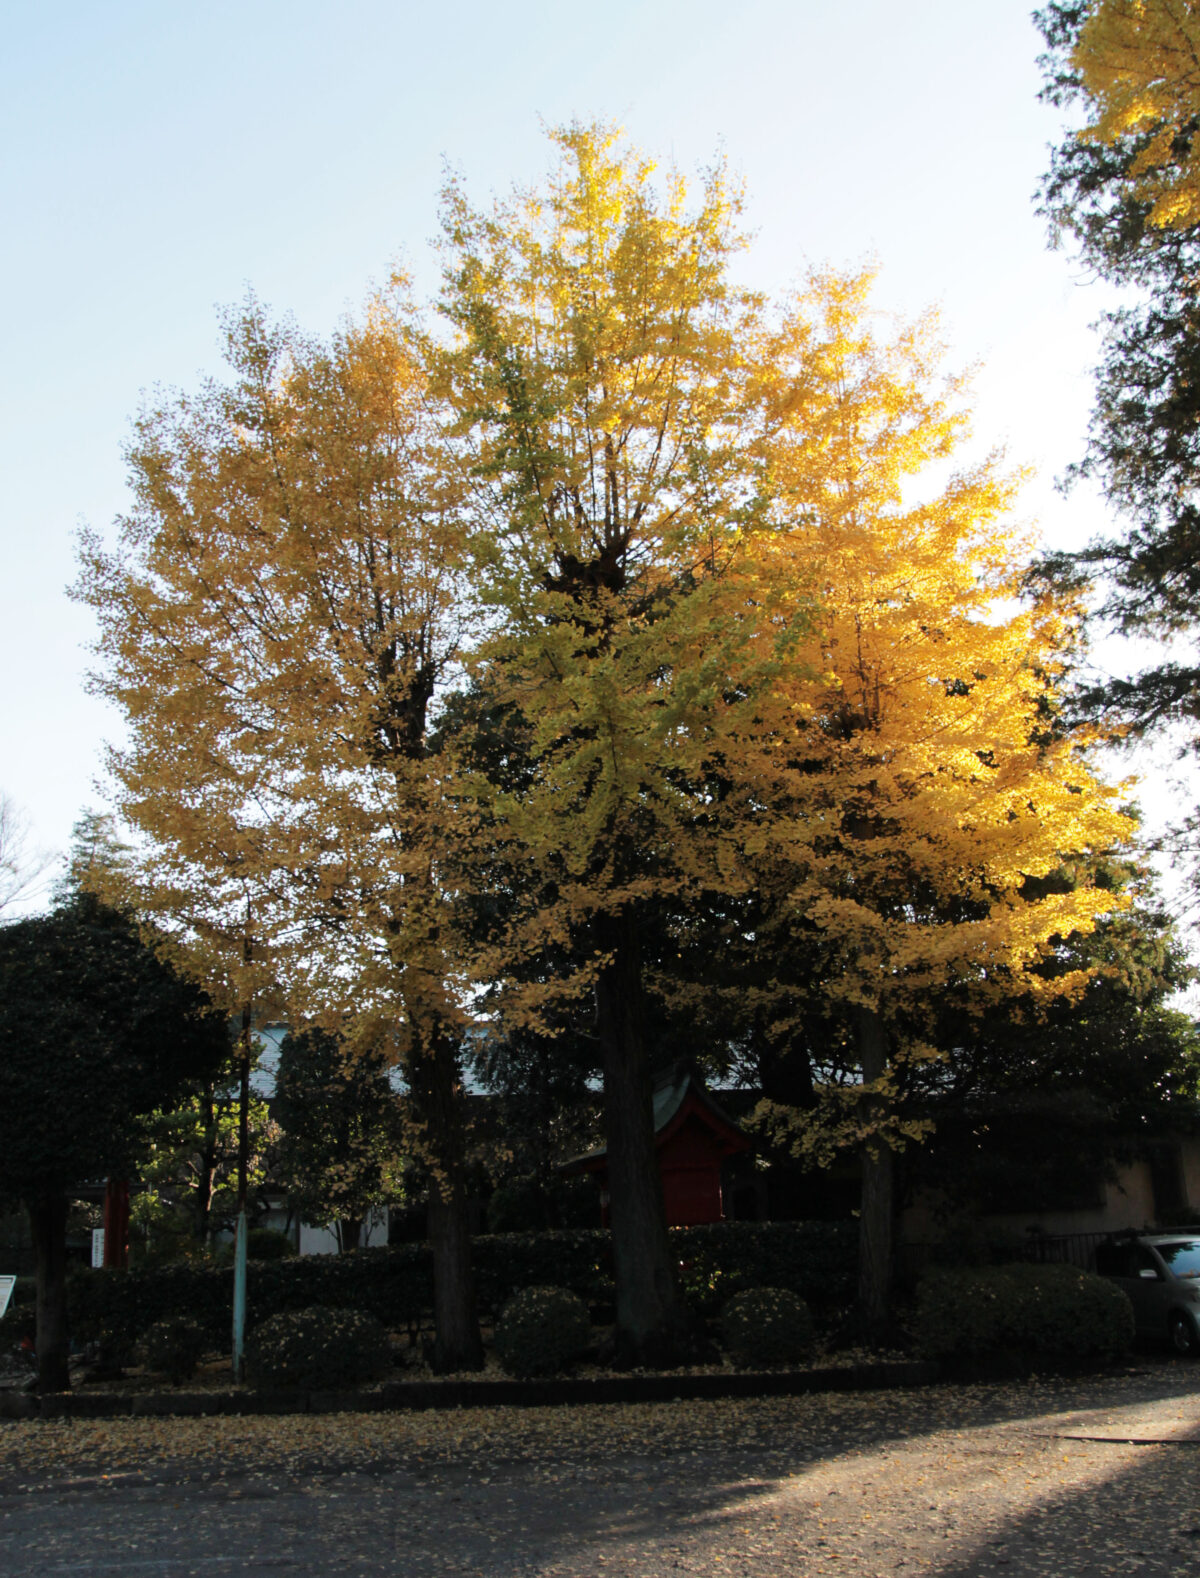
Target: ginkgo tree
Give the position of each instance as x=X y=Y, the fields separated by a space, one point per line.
x=1139 y=62
x=598 y=379
x=282 y=606
x=677 y=542
x=923 y=813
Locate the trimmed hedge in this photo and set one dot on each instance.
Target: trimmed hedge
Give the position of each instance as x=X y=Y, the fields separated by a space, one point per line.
x=1021 y=1314
x=814 y=1260
x=540 y=1331
x=394 y=1285
x=318 y=1347
x=765 y=1327
x=173 y=1347
x=817 y=1261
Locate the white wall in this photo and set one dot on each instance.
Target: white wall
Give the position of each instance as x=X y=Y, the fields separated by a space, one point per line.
x=323 y=1240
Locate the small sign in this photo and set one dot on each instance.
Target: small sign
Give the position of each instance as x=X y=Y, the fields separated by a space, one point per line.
x=7 y=1284
x=97 y=1246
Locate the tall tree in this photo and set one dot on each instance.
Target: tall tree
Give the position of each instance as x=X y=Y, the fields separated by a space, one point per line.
x=95 y=1032
x=598 y=381
x=286 y=597
x=1124 y=188
x=339 y=1156
x=918 y=787
x=189 y=1164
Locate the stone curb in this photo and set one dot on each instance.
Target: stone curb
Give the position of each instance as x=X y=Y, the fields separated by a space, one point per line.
x=398 y=1396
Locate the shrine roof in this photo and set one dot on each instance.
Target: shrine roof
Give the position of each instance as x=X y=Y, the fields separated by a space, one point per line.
x=670 y=1099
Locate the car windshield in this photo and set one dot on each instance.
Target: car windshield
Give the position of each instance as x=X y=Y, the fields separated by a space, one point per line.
x=1183 y=1256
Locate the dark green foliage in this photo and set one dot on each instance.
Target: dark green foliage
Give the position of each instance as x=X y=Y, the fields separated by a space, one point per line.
x=395 y=1285
x=1034 y=1106
x=174 y=1347
x=339 y=1153
x=318 y=1347
x=95 y=1030
x=541 y=1331
x=815 y=1260
x=1022 y=1314
x=266 y=1243
x=763 y=1327
x=526 y=1205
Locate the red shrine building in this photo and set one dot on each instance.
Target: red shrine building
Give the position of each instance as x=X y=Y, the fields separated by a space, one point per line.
x=693 y=1138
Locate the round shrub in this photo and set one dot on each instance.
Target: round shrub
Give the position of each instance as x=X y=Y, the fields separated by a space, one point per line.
x=266 y=1243
x=766 y=1326
x=174 y=1347
x=318 y=1347
x=541 y=1330
x=1022 y=1313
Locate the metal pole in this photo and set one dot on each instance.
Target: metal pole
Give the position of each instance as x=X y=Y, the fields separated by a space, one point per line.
x=239 y=1298
x=239 y=1246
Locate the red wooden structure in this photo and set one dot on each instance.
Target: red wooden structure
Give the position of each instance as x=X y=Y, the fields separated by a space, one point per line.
x=693 y=1137
x=116 y=1223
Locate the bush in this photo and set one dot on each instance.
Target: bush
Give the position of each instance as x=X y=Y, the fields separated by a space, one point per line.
x=318 y=1347
x=266 y=1243
x=395 y=1285
x=766 y=1326
x=174 y=1347
x=815 y=1260
x=541 y=1330
x=1022 y=1314
x=525 y=1205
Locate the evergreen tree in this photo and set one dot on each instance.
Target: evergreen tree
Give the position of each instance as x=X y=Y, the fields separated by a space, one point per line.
x=339 y=1153
x=96 y=1031
x=1124 y=188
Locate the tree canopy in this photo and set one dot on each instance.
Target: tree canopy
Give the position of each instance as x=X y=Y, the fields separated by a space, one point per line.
x=287 y=596
x=340 y=1153
x=1123 y=188
x=96 y=1031
x=521 y=651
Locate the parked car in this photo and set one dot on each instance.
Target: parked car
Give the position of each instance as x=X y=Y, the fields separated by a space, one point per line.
x=1161 y=1274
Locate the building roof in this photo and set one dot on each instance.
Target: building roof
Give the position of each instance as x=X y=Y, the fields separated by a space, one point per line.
x=685 y=1093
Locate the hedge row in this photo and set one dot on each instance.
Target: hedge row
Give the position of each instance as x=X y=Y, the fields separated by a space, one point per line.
x=815 y=1260
x=1022 y=1315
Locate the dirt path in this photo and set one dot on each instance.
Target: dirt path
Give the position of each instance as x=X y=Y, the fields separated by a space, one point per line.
x=1086 y=1477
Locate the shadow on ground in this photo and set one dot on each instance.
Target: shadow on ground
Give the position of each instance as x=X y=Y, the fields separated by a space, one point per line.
x=959 y=1481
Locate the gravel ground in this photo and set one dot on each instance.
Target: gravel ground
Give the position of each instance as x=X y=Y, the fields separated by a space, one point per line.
x=1092 y=1476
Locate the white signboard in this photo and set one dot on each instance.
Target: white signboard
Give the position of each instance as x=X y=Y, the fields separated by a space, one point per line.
x=7 y=1284
x=97 y=1246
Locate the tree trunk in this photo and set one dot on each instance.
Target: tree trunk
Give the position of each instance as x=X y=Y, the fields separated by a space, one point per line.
x=649 y=1315
x=48 y=1224
x=207 y=1167
x=875 y=1227
x=349 y=1233
x=458 y=1343
x=437 y=1097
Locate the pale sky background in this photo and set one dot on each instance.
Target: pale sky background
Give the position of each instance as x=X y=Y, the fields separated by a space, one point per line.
x=160 y=157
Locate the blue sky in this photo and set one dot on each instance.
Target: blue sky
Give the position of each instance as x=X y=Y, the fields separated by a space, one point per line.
x=160 y=158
